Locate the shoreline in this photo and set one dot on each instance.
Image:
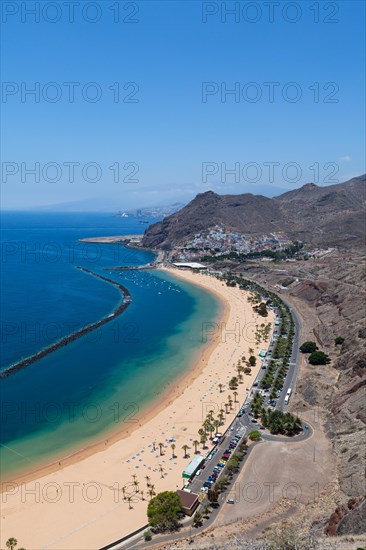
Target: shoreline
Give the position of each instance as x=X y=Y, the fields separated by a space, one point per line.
x=151 y=409
x=179 y=413
x=66 y=340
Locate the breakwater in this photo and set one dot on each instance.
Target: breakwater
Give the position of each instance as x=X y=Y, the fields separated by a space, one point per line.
x=126 y=300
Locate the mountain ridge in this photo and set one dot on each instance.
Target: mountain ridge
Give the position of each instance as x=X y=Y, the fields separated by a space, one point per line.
x=328 y=215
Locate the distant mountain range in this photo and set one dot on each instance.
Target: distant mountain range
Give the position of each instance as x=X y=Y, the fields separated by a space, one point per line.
x=151 y=212
x=325 y=216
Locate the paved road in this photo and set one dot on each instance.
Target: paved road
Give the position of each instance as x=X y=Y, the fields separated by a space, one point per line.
x=241 y=425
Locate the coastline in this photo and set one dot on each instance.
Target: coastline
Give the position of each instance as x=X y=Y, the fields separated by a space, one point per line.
x=188 y=393
x=148 y=412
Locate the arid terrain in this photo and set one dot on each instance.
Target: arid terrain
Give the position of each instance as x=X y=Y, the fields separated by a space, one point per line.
x=329 y=295
x=329 y=509
x=332 y=215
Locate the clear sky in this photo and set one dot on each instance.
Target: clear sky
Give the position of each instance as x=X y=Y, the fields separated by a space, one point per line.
x=144 y=88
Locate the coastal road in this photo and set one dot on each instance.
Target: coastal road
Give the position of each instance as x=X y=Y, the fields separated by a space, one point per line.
x=290 y=380
x=241 y=425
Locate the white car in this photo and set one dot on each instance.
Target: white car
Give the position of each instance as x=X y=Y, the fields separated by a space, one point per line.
x=204 y=489
x=198 y=472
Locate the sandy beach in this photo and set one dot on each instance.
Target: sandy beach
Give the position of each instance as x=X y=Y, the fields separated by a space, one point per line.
x=81 y=503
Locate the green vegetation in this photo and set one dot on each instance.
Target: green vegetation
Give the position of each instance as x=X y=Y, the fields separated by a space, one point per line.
x=12 y=543
x=319 y=358
x=252 y=361
x=213 y=495
x=281 y=423
x=254 y=435
x=308 y=347
x=147 y=535
x=164 y=511
x=277 y=255
x=257 y=404
x=261 y=309
x=338 y=340
x=197 y=519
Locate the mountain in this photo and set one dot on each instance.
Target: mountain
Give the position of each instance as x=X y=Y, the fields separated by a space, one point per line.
x=151 y=211
x=323 y=216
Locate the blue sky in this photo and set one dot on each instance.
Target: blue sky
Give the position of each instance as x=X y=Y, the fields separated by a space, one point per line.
x=172 y=132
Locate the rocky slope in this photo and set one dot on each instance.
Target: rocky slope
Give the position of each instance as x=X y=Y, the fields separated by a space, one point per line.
x=330 y=296
x=326 y=216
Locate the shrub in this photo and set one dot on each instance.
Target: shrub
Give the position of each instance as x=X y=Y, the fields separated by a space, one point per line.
x=254 y=435
x=318 y=358
x=147 y=535
x=308 y=347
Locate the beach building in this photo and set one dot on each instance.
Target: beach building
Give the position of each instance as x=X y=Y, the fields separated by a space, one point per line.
x=193 y=466
x=189 y=265
x=189 y=501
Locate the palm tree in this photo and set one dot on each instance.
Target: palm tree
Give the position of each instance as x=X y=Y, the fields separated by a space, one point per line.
x=230 y=400
x=211 y=429
x=210 y=415
x=173 y=447
x=129 y=499
x=136 y=484
x=216 y=424
x=142 y=495
x=124 y=492
x=134 y=477
x=195 y=443
x=221 y=415
x=206 y=424
x=203 y=441
x=11 y=543
x=226 y=406
x=251 y=351
x=220 y=387
x=240 y=373
x=161 y=445
x=201 y=433
x=161 y=470
x=148 y=479
x=151 y=491
x=235 y=396
x=185 y=448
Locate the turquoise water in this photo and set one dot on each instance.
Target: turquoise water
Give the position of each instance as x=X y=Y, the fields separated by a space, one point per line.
x=101 y=382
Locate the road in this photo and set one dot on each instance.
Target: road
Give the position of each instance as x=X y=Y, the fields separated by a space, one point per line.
x=241 y=425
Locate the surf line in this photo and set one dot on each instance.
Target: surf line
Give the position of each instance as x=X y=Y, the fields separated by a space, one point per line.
x=126 y=300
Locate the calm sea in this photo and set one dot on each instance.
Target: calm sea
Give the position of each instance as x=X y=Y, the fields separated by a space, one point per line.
x=102 y=381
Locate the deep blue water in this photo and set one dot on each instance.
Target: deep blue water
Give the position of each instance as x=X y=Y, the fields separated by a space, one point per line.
x=103 y=380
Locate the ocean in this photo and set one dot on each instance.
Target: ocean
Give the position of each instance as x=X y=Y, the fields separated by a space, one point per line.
x=101 y=382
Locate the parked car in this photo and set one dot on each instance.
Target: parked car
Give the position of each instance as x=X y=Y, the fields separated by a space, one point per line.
x=198 y=472
x=230 y=501
x=204 y=489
